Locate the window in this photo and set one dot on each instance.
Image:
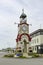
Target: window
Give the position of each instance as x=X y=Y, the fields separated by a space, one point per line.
x=35 y=48
x=37 y=40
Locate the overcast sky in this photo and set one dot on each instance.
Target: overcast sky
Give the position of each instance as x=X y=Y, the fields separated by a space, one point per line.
x=10 y=11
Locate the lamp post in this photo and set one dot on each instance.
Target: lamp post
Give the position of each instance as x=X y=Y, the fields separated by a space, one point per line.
x=40 y=51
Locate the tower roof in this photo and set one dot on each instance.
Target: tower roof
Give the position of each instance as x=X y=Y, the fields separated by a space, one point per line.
x=23 y=15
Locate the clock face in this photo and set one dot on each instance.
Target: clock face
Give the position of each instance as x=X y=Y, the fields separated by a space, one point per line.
x=24 y=28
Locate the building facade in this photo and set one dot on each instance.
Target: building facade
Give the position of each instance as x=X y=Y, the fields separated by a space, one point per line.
x=23 y=38
x=37 y=41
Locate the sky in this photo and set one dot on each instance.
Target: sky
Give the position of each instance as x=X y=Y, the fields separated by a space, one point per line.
x=10 y=11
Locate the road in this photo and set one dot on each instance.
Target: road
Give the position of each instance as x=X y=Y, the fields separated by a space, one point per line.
x=13 y=61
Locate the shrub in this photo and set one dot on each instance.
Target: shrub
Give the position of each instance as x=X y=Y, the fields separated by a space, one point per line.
x=9 y=55
x=22 y=57
x=35 y=55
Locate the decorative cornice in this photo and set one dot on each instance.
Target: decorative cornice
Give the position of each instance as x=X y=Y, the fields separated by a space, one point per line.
x=22 y=24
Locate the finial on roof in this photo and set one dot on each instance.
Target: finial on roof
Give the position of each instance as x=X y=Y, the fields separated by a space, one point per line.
x=22 y=10
x=23 y=15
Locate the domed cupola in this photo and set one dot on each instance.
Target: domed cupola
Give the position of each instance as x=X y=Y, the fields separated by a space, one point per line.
x=23 y=17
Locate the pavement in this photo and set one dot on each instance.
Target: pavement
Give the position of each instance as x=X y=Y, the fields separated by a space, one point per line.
x=13 y=61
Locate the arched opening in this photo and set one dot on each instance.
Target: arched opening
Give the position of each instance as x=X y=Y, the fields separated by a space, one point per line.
x=25 y=46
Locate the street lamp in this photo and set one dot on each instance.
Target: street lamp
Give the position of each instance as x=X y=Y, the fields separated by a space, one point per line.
x=39 y=50
x=39 y=47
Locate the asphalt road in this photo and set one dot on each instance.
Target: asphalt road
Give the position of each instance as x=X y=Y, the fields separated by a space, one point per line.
x=13 y=61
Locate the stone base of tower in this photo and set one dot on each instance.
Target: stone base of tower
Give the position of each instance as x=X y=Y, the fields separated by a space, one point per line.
x=25 y=54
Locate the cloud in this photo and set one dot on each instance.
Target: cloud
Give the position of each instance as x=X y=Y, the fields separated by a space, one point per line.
x=10 y=10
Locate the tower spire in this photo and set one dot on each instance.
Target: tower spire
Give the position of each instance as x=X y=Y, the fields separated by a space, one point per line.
x=22 y=10
x=23 y=15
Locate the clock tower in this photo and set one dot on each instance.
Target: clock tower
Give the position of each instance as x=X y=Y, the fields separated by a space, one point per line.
x=23 y=38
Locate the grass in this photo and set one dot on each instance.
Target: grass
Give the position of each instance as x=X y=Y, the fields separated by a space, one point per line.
x=34 y=55
x=9 y=55
x=22 y=57
x=12 y=56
